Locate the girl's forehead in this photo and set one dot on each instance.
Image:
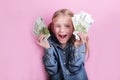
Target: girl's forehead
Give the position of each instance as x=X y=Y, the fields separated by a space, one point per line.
x=61 y=17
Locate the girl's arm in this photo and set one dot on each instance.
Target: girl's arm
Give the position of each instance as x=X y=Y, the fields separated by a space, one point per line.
x=50 y=61
x=48 y=58
x=77 y=58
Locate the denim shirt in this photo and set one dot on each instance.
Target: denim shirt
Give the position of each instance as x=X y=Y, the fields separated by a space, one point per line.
x=65 y=63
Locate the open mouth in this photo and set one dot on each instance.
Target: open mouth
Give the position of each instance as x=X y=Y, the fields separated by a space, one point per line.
x=62 y=36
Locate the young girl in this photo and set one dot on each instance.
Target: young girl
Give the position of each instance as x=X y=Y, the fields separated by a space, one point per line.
x=64 y=56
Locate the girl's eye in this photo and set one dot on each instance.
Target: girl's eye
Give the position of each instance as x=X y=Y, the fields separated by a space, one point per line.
x=56 y=26
x=67 y=26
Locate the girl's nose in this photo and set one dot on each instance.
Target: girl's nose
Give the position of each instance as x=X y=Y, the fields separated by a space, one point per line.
x=62 y=29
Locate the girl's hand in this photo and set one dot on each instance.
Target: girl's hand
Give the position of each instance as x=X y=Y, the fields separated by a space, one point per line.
x=83 y=39
x=43 y=42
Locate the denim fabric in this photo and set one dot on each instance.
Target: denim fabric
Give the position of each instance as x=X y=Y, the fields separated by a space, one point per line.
x=65 y=63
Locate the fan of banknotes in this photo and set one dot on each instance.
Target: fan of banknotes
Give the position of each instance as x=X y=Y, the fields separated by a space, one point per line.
x=40 y=27
x=82 y=22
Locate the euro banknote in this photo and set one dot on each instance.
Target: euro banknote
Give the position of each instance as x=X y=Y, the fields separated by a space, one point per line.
x=82 y=22
x=40 y=27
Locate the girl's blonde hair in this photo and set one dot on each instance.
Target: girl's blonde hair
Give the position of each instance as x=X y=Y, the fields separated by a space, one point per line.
x=64 y=12
x=68 y=13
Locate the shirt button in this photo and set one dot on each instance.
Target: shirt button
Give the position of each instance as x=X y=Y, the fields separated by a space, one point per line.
x=75 y=55
x=64 y=63
x=76 y=49
x=67 y=73
x=64 y=52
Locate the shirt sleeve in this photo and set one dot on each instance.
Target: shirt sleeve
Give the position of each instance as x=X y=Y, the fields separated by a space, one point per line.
x=77 y=58
x=50 y=61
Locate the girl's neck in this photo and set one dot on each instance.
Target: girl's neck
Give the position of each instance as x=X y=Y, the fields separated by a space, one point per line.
x=63 y=45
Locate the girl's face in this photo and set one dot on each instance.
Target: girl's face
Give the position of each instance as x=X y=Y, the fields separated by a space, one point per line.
x=63 y=28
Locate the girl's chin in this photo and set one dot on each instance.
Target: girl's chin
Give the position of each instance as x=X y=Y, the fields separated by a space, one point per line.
x=63 y=42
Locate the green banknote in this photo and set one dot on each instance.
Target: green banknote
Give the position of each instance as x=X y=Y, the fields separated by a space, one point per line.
x=40 y=27
x=82 y=22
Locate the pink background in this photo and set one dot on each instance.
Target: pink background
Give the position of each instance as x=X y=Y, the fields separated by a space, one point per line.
x=21 y=57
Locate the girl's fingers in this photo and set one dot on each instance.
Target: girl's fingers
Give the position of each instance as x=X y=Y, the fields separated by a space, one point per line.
x=37 y=42
x=83 y=37
x=41 y=37
x=43 y=42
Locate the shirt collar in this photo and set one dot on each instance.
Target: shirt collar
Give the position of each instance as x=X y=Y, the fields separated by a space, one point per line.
x=57 y=44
